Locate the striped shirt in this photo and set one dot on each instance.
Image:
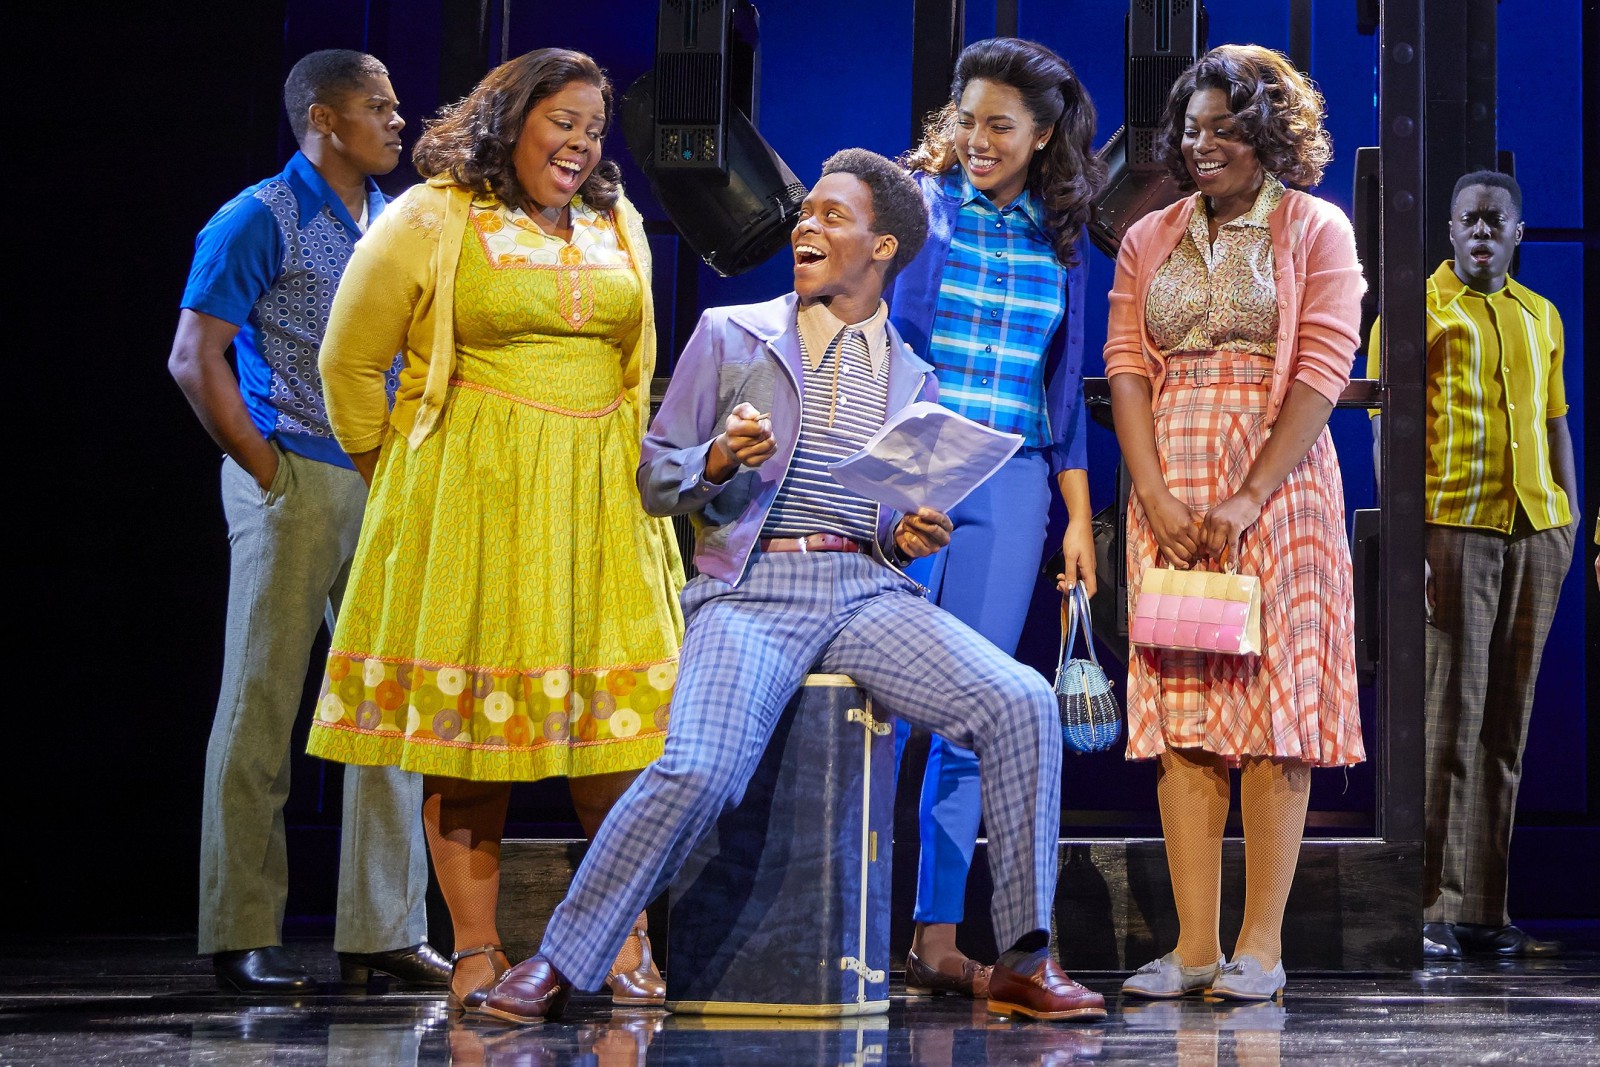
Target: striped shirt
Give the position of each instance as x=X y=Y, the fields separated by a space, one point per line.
x=1002 y=296
x=1494 y=380
x=846 y=397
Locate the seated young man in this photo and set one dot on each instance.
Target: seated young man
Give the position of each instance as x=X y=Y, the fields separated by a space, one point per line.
x=797 y=574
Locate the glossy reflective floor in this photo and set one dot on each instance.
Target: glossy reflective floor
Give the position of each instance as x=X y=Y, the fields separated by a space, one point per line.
x=151 y=1002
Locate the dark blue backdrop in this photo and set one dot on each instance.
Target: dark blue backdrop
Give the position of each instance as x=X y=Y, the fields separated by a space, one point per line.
x=837 y=73
x=156 y=114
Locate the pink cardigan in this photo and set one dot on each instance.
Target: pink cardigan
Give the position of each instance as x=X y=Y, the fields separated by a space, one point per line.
x=1320 y=301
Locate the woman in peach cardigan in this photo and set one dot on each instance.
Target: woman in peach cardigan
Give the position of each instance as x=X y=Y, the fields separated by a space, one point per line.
x=1234 y=322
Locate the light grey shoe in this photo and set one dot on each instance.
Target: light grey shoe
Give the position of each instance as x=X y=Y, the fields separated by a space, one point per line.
x=1166 y=977
x=1243 y=979
x=1248 y=1015
x=1172 y=1015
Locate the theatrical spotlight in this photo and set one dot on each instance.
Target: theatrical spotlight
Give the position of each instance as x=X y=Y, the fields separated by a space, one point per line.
x=691 y=126
x=1164 y=38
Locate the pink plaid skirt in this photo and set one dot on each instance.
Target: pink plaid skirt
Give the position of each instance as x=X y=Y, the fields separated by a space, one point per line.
x=1297 y=700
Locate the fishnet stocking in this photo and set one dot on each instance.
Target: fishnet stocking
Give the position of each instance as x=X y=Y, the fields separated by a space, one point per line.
x=1192 y=789
x=463 y=822
x=1197 y=1042
x=1258 y=1048
x=1272 y=803
x=593 y=796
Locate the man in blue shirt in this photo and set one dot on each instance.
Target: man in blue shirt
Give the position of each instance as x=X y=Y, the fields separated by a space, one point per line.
x=263 y=279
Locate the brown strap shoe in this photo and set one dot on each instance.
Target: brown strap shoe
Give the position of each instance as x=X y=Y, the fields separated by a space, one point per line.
x=1047 y=993
x=641 y=984
x=923 y=980
x=471 y=1002
x=530 y=992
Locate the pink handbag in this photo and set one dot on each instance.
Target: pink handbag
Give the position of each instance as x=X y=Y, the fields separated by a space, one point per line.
x=1196 y=610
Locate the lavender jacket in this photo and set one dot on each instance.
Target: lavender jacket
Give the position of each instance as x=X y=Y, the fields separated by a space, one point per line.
x=748 y=353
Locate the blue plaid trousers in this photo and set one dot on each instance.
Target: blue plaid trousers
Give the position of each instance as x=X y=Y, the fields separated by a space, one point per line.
x=745 y=653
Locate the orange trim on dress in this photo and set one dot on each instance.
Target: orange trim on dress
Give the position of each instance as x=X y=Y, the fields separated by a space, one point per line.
x=439 y=742
x=515 y=399
x=434 y=665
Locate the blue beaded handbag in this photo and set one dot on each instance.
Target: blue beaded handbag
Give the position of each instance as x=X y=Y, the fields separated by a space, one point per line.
x=1090 y=721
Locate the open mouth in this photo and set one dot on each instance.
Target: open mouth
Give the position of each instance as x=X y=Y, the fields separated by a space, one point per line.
x=1481 y=253
x=1208 y=168
x=566 y=171
x=978 y=166
x=807 y=254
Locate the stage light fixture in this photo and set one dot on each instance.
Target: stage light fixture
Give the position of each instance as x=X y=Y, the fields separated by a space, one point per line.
x=690 y=124
x=1164 y=37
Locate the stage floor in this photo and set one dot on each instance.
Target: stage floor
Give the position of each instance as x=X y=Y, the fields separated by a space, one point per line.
x=135 y=1002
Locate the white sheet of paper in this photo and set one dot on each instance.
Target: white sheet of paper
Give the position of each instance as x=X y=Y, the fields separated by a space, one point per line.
x=925 y=456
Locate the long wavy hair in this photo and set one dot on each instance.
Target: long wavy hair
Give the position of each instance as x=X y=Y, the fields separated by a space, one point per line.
x=1277 y=108
x=471 y=142
x=1064 y=175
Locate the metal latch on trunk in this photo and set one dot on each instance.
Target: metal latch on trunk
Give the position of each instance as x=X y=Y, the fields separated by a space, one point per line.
x=864 y=717
x=850 y=963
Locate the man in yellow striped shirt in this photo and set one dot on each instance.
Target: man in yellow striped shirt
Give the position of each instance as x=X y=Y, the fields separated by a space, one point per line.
x=1500 y=493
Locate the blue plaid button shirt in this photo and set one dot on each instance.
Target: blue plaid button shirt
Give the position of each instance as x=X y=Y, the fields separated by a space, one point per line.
x=1002 y=296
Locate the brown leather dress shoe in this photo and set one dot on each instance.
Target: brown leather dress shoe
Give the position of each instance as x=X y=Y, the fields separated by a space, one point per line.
x=923 y=980
x=530 y=992
x=642 y=985
x=1047 y=993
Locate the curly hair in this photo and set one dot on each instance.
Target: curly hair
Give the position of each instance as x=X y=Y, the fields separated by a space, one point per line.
x=897 y=206
x=1065 y=175
x=321 y=78
x=1278 y=110
x=472 y=141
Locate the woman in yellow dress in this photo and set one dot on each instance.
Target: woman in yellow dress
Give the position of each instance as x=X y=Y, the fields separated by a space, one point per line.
x=511 y=611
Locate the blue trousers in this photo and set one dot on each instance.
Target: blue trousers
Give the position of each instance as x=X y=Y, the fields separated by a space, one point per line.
x=746 y=651
x=985 y=578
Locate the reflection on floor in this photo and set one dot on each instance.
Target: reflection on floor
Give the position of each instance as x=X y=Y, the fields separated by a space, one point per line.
x=150 y=1002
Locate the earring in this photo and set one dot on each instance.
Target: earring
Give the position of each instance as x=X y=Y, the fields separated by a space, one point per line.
x=1039 y=147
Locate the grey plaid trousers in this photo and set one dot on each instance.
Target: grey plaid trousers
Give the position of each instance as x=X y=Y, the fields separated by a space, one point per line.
x=745 y=653
x=1494 y=599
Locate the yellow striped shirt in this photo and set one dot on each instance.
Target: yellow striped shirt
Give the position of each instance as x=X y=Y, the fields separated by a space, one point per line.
x=1494 y=380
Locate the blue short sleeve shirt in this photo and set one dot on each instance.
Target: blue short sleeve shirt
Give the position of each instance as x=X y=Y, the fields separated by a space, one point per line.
x=268 y=262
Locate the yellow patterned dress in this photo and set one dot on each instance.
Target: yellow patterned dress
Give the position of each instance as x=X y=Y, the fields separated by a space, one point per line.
x=512 y=611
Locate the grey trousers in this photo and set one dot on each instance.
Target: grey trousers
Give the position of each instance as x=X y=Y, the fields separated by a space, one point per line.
x=290 y=552
x=1494 y=599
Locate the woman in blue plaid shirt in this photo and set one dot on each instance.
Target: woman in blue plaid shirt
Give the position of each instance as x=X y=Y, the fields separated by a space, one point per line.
x=995 y=302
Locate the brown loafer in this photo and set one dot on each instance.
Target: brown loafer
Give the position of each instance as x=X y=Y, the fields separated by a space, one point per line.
x=1047 y=993
x=922 y=980
x=642 y=985
x=530 y=992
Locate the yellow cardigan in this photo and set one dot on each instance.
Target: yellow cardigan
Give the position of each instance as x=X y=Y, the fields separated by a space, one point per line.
x=398 y=295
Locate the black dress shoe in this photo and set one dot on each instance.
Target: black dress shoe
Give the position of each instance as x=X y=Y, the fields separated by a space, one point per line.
x=1505 y=941
x=1439 y=942
x=261 y=970
x=419 y=965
